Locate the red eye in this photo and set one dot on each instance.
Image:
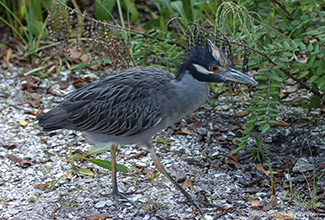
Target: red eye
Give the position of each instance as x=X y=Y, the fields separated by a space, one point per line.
x=214 y=68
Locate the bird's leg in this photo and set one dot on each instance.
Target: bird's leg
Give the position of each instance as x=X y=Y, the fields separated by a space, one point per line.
x=116 y=193
x=160 y=167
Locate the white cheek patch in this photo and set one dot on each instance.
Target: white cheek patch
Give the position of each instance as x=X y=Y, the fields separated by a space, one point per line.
x=201 y=69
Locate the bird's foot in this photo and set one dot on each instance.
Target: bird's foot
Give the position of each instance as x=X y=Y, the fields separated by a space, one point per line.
x=116 y=194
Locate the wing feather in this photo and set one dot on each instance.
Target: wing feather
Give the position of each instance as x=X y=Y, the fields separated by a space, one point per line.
x=123 y=104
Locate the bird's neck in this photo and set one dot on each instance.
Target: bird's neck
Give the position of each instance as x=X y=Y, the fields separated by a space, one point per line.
x=191 y=93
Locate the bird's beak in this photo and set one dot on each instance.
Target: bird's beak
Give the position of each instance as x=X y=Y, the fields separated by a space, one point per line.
x=236 y=76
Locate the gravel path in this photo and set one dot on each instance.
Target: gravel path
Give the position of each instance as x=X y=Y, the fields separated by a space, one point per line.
x=30 y=160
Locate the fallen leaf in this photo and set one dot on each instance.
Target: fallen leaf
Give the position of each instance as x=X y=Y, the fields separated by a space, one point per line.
x=69 y=176
x=281 y=123
x=222 y=130
x=65 y=84
x=231 y=161
x=136 y=155
x=9 y=54
x=75 y=54
x=241 y=114
x=5 y=64
x=14 y=158
x=197 y=125
x=53 y=92
x=253 y=182
x=63 y=159
x=151 y=174
x=187 y=184
x=235 y=157
x=96 y=217
x=50 y=69
x=261 y=168
x=42 y=185
x=256 y=205
x=48 y=152
x=84 y=58
x=13 y=146
x=183 y=132
x=270 y=204
x=292 y=89
x=137 y=166
x=25 y=164
x=299 y=100
x=216 y=165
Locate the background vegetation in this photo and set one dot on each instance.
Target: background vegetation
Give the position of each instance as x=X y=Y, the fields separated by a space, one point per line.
x=282 y=40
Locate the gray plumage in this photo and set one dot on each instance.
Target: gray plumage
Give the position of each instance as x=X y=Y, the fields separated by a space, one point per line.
x=130 y=106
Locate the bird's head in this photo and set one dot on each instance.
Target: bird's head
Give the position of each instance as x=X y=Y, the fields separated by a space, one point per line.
x=208 y=63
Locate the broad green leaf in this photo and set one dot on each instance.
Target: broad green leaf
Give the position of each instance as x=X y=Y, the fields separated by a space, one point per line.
x=313 y=78
x=107 y=165
x=286 y=45
x=304 y=74
x=265 y=127
x=92 y=150
x=255 y=100
x=86 y=172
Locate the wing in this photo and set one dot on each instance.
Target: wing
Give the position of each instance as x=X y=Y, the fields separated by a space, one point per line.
x=123 y=104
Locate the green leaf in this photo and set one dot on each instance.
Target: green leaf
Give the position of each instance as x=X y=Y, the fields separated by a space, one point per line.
x=321 y=68
x=262 y=77
x=276 y=78
x=273 y=121
x=310 y=61
x=313 y=15
x=304 y=17
x=251 y=109
x=304 y=73
x=315 y=100
x=178 y=6
x=255 y=100
x=302 y=46
x=103 y=9
x=86 y=172
x=107 y=165
x=265 y=127
x=92 y=150
x=283 y=59
x=286 y=45
x=310 y=47
x=313 y=78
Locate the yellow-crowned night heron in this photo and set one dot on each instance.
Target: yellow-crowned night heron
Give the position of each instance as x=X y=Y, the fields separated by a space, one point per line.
x=130 y=106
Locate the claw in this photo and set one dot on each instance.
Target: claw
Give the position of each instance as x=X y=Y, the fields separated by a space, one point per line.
x=117 y=194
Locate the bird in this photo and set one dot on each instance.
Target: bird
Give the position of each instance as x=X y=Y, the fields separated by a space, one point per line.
x=130 y=106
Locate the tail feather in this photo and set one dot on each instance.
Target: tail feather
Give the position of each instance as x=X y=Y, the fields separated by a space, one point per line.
x=55 y=119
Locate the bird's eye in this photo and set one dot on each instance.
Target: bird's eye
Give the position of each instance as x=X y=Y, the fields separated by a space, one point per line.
x=214 y=68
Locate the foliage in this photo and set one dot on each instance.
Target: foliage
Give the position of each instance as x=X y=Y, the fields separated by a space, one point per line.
x=259 y=150
x=85 y=171
x=29 y=12
x=286 y=41
x=291 y=49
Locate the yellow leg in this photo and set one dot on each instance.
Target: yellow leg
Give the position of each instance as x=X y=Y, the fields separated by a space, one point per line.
x=171 y=179
x=116 y=193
